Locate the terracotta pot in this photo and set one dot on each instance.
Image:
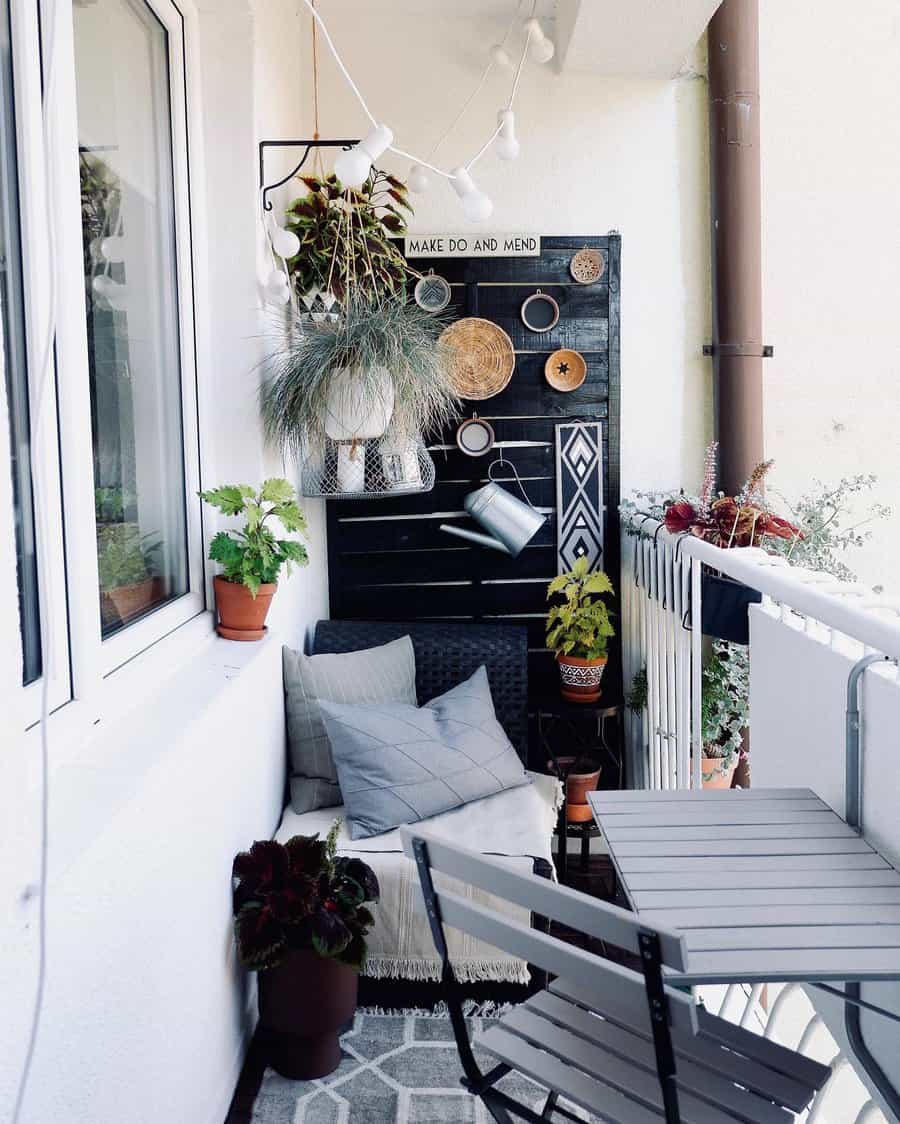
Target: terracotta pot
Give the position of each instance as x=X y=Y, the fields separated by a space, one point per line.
x=304 y=1004
x=241 y=615
x=581 y=678
x=715 y=773
x=129 y=601
x=578 y=785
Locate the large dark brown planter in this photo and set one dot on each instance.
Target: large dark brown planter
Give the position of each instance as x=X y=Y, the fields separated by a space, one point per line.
x=304 y=1003
x=241 y=615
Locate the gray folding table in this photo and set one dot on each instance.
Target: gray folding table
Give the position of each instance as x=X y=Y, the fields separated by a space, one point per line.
x=767 y=885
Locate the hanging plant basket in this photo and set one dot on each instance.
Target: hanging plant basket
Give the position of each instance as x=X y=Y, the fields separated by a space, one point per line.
x=356 y=470
x=725 y=608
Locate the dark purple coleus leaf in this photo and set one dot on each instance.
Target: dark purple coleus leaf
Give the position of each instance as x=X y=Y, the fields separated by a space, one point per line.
x=330 y=934
x=305 y=854
x=294 y=902
x=263 y=867
x=361 y=873
x=260 y=938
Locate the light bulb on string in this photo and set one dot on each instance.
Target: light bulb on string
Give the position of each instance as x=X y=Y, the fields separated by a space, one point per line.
x=278 y=287
x=506 y=145
x=352 y=167
x=542 y=50
x=499 y=55
x=113 y=248
x=417 y=180
x=284 y=242
x=477 y=207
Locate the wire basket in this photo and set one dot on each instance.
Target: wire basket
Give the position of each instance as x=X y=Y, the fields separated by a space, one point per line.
x=358 y=470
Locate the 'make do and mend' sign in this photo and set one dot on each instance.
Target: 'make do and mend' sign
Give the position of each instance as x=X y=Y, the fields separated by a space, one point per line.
x=472 y=246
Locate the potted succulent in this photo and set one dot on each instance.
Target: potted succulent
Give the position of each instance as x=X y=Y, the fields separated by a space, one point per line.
x=126 y=563
x=579 y=628
x=724 y=712
x=300 y=922
x=252 y=557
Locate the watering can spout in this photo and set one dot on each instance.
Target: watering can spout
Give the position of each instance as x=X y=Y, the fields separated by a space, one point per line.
x=476 y=537
x=512 y=524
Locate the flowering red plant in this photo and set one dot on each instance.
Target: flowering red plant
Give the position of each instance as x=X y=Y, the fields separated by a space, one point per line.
x=728 y=521
x=301 y=894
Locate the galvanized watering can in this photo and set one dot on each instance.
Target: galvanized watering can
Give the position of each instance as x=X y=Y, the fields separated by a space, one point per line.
x=511 y=524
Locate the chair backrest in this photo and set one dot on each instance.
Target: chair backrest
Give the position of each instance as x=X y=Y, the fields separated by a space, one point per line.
x=601 y=982
x=448 y=652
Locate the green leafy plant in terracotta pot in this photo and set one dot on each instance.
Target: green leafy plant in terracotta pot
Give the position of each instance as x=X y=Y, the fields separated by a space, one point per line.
x=126 y=563
x=252 y=557
x=579 y=629
x=724 y=712
x=300 y=920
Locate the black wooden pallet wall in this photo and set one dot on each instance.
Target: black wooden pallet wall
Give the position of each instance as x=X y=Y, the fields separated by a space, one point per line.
x=387 y=560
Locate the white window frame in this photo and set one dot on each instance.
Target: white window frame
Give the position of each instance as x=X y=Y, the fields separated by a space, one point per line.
x=92 y=656
x=84 y=672
x=36 y=272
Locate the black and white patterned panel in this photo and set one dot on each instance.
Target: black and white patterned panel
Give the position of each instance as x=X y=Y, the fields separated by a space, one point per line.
x=579 y=493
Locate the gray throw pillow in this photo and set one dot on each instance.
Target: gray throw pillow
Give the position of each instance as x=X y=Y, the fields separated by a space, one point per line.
x=374 y=675
x=399 y=763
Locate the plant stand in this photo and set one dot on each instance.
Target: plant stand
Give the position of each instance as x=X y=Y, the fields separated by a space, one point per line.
x=579 y=727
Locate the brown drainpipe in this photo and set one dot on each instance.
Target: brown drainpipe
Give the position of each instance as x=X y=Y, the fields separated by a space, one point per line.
x=737 y=348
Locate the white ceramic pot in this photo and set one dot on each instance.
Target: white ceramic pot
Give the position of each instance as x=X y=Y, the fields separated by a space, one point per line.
x=351 y=467
x=356 y=409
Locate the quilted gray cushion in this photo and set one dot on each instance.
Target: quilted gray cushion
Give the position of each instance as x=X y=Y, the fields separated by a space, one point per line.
x=399 y=763
x=375 y=675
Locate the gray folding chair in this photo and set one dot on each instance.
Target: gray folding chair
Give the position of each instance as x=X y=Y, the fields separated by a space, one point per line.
x=617 y=1042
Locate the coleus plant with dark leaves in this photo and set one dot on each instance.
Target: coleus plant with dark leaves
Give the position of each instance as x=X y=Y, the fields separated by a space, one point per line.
x=301 y=895
x=729 y=521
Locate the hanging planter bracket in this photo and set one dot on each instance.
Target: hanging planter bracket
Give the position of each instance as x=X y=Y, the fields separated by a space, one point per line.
x=306 y=145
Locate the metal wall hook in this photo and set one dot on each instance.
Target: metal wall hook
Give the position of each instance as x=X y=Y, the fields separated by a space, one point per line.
x=307 y=146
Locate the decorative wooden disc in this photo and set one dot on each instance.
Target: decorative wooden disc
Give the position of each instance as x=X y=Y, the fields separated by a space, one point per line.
x=565 y=369
x=587 y=266
x=480 y=357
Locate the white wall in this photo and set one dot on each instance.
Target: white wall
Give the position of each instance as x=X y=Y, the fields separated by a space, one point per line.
x=146 y=1012
x=597 y=154
x=831 y=173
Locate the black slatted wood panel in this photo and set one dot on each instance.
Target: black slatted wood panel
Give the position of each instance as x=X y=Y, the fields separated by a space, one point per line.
x=387 y=559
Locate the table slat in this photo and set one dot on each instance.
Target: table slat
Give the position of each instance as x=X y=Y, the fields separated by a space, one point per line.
x=707 y=816
x=785 y=965
x=704 y=795
x=738 y=847
x=795 y=895
x=870 y=860
x=681 y=833
x=766 y=879
x=795 y=936
x=731 y=917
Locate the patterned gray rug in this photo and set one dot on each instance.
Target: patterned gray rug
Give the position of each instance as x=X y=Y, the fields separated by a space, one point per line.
x=397 y=1069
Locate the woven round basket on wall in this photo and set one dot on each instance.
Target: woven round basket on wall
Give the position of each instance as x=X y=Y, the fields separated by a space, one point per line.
x=479 y=356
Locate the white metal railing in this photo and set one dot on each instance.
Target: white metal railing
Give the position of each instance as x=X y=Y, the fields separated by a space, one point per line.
x=783 y=1013
x=661 y=583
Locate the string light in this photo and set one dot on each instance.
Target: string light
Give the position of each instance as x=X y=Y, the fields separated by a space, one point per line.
x=507 y=146
x=284 y=242
x=353 y=167
x=477 y=207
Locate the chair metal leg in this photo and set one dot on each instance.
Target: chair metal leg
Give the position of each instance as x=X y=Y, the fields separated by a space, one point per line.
x=585 y=851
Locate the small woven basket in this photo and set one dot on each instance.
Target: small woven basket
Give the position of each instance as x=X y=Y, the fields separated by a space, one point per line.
x=479 y=357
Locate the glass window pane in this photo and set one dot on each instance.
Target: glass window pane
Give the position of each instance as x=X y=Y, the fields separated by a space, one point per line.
x=12 y=360
x=128 y=228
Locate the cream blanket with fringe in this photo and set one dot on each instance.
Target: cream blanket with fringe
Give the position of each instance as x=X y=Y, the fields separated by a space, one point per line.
x=515 y=826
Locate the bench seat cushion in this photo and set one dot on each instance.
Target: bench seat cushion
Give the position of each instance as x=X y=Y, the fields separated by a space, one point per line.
x=517 y=825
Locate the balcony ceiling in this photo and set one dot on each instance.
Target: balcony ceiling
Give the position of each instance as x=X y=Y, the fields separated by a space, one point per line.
x=619 y=38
